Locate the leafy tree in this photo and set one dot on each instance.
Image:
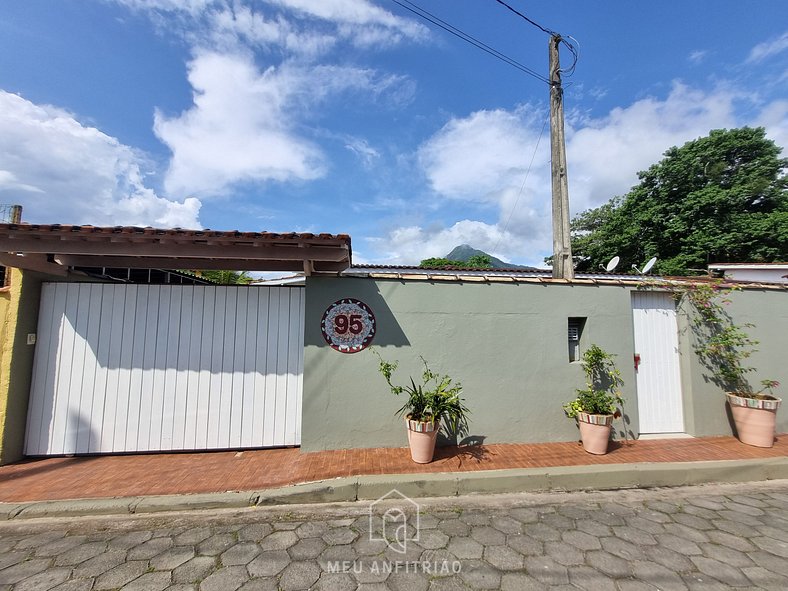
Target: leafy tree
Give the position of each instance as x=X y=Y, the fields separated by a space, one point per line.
x=478 y=261
x=721 y=198
x=226 y=277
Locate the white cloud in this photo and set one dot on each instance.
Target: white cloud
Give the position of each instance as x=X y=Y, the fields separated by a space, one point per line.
x=361 y=148
x=768 y=48
x=62 y=171
x=483 y=158
x=244 y=125
x=698 y=56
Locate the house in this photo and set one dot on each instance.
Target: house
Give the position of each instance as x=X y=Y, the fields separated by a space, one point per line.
x=127 y=368
x=751 y=272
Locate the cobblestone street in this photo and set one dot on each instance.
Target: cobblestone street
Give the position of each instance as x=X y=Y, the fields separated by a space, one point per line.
x=710 y=537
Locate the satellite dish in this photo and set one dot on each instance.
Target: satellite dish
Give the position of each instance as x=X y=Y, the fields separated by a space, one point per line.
x=649 y=265
x=612 y=264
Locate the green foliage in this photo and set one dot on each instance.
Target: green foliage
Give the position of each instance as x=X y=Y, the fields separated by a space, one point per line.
x=223 y=277
x=601 y=396
x=719 y=198
x=477 y=261
x=721 y=345
x=436 y=398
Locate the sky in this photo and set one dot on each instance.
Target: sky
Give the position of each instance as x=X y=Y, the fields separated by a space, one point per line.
x=358 y=117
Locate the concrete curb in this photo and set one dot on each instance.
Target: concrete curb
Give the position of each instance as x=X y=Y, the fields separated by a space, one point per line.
x=364 y=488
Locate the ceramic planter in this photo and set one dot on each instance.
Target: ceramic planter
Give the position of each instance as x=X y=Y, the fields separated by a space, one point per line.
x=595 y=432
x=755 y=418
x=421 y=438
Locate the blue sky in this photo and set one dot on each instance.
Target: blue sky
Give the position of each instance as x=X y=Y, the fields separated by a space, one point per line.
x=354 y=116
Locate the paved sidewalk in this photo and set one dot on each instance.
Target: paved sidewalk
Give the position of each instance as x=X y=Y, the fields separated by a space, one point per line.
x=707 y=538
x=213 y=472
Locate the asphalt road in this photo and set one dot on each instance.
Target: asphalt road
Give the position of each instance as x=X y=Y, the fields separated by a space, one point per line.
x=707 y=537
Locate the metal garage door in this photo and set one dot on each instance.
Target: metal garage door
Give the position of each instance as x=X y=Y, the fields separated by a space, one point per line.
x=121 y=368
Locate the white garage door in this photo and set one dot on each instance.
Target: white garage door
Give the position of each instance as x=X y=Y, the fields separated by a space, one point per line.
x=122 y=368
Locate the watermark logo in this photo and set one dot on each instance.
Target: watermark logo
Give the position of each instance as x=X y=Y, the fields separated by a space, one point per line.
x=397 y=519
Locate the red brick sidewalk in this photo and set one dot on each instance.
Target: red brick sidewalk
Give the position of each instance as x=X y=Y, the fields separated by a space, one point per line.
x=183 y=473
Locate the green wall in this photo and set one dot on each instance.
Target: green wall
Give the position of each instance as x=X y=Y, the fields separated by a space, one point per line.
x=506 y=343
x=767 y=312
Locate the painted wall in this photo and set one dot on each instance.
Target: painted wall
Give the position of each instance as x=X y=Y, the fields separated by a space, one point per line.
x=506 y=343
x=767 y=311
x=20 y=319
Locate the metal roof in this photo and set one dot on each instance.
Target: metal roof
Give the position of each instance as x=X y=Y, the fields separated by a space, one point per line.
x=54 y=248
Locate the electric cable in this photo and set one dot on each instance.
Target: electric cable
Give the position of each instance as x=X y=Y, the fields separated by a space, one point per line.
x=522 y=187
x=420 y=12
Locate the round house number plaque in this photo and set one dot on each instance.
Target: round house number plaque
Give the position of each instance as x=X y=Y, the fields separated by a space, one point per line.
x=348 y=325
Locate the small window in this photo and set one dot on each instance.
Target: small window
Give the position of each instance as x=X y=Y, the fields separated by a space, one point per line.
x=574 y=332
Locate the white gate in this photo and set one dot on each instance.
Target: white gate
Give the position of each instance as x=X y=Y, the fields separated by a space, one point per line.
x=121 y=368
x=658 y=375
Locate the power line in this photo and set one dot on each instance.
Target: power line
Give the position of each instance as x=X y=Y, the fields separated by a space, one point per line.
x=420 y=12
x=534 y=23
x=572 y=47
x=520 y=194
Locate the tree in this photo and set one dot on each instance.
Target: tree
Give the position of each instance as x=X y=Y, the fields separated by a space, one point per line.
x=226 y=277
x=721 y=198
x=477 y=261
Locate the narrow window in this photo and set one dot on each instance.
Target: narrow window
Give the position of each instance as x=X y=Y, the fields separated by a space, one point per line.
x=575 y=331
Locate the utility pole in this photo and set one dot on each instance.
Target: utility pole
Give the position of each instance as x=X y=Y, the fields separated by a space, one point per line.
x=562 y=248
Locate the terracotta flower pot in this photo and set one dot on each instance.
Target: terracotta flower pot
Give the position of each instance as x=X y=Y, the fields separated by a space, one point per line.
x=755 y=418
x=595 y=432
x=421 y=438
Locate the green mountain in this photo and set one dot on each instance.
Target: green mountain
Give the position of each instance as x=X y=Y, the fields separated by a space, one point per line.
x=463 y=252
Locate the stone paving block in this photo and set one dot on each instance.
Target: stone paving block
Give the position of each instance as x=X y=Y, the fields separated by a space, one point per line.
x=11 y=558
x=635 y=585
x=668 y=558
x=589 y=579
x=776 y=547
x=260 y=585
x=774 y=532
x=524 y=514
x=747 y=509
x=726 y=555
x=697 y=581
x=454 y=527
x=765 y=579
x=622 y=548
x=542 y=532
x=269 y=563
x=722 y=572
x=75 y=585
x=364 y=546
x=465 y=548
x=299 y=575
x=593 y=528
x=228 y=578
x=503 y=558
x=308 y=548
x=475 y=518
x=240 y=555
x=335 y=582
x=339 y=536
x=149 y=582
x=80 y=553
x=693 y=521
x=454 y=583
x=581 y=540
x=254 y=532
x=130 y=539
x=480 y=575
x=686 y=532
x=563 y=553
x=334 y=554
x=37 y=540
x=149 y=549
x=216 y=544
x=194 y=536
x=770 y=562
x=521 y=582
x=279 y=540
x=525 y=545
x=432 y=539
x=634 y=535
x=59 y=546
x=100 y=564
x=44 y=580
x=657 y=575
x=121 y=574
x=194 y=570
x=740 y=517
x=312 y=529
x=607 y=563
x=407 y=582
x=172 y=558
x=547 y=570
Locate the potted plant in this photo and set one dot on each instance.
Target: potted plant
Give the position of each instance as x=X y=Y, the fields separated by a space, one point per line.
x=597 y=404
x=431 y=404
x=723 y=347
